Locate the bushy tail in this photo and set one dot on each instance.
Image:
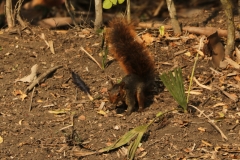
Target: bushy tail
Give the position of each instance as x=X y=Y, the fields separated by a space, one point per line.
x=132 y=56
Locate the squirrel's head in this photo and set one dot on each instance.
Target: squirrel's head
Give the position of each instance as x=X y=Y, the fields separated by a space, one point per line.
x=117 y=93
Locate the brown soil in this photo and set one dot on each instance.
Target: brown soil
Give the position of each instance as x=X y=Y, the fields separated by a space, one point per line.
x=38 y=134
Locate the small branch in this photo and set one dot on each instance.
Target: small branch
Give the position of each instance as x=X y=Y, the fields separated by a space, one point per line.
x=71 y=125
x=68 y=5
x=42 y=76
x=196 y=30
x=201 y=85
x=91 y=57
x=18 y=9
x=156 y=12
x=231 y=96
x=211 y=122
x=180 y=52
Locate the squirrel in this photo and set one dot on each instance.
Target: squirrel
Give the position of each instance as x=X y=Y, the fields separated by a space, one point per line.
x=136 y=61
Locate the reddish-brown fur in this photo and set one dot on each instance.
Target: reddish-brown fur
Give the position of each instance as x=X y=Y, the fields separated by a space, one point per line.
x=132 y=56
x=135 y=60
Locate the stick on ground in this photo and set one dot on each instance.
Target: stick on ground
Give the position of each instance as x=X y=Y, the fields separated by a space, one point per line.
x=212 y=123
x=42 y=76
x=91 y=57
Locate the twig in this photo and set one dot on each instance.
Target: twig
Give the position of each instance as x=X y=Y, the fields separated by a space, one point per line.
x=71 y=125
x=91 y=57
x=17 y=10
x=140 y=33
x=196 y=30
x=49 y=105
x=232 y=62
x=156 y=12
x=201 y=85
x=30 y=106
x=42 y=76
x=180 y=52
x=216 y=72
x=211 y=122
x=68 y=5
x=231 y=96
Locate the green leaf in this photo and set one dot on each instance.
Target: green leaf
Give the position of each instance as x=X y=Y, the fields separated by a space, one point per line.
x=127 y=137
x=120 y=1
x=174 y=83
x=107 y=4
x=159 y=114
x=114 y=2
x=134 y=145
x=161 y=30
x=58 y=111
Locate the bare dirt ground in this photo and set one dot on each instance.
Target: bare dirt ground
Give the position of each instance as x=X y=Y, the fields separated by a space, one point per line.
x=39 y=134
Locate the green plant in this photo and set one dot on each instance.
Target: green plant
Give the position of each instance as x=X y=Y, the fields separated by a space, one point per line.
x=107 y=4
x=104 y=51
x=162 y=30
x=104 y=57
x=174 y=83
x=133 y=136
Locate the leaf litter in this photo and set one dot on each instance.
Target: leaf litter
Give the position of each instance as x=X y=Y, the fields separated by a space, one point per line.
x=92 y=134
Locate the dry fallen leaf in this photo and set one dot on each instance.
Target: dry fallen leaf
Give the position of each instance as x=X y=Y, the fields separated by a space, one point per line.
x=202 y=129
x=102 y=112
x=237 y=78
x=58 y=77
x=237 y=55
x=147 y=38
x=31 y=76
x=104 y=90
x=23 y=96
x=82 y=117
x=20 y=93
x=232 y=63
x=206 y=143
x=86 y=31
x=17 y=92
x=51 y=47
x=1 y=140
x=188 y=54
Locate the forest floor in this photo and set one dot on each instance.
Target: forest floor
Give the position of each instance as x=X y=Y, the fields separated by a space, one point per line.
x=57 y=120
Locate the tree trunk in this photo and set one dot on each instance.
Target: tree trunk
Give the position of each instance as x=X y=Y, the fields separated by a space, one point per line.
x=227 y=5
x=173 y=16
x=9 y=14
x=98 y=12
